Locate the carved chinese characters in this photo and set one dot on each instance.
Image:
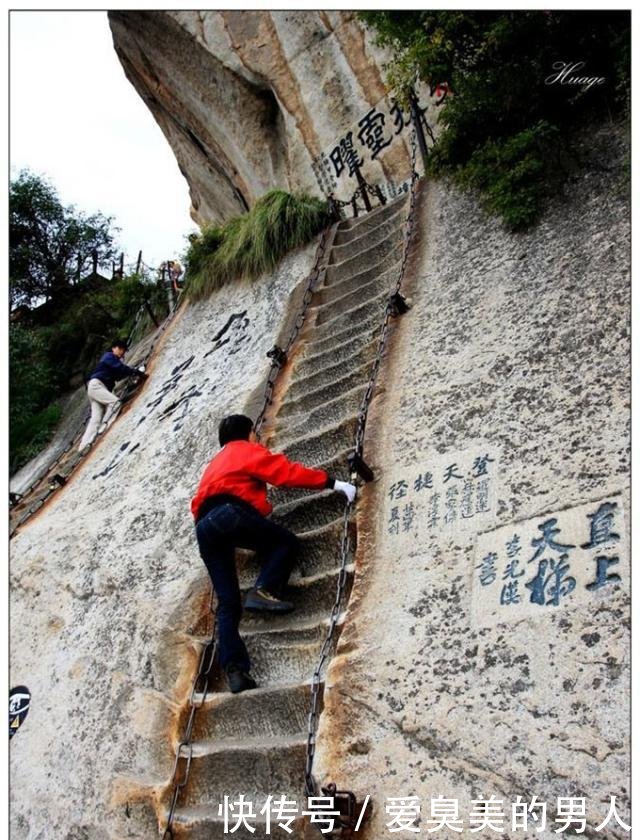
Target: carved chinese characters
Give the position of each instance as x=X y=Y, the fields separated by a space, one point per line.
x=551 y=562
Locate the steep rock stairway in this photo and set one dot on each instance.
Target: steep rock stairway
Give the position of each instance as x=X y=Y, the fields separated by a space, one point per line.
x=254 y=743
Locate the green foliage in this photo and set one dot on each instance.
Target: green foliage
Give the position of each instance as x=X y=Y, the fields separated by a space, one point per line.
x=510 y=174
x=31 y=386
x=254 y=243
x=94 y=313
x=121 y=300
x=504 y=130
x=50 y=245
x=201 y=247
x=67 y=314
x=46 y=360
x=31 y=433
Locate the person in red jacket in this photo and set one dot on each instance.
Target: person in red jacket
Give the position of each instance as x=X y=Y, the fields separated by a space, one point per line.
x=230 y=509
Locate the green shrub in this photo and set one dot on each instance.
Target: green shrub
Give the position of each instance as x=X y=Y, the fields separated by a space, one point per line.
x=510 y=174
x=249 y=245
x=45 y=359
x=31 y=387
x=504 y=130
x=31 y=433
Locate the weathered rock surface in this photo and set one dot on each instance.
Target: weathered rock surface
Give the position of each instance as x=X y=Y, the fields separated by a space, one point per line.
x=249 y=100
x=517 y=347
x=107 y=585
x=458 y=673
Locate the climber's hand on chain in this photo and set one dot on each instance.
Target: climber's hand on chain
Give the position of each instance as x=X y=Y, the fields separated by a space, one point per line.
x=349 y=490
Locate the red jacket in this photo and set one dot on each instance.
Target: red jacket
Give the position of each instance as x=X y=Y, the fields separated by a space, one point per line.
x=242 y=469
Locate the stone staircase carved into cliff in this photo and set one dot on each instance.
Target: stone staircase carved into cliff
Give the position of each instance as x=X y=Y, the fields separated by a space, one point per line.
x=254 y=743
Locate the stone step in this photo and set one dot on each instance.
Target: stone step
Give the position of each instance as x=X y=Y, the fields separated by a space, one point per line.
x=331 y=292
x=311 y=512
x=204 y=823
x=318 y=552
x=310 y=361
x=377 y=286
x=285 y=656
x=368 y=326
x=369 y=237
x=366 y=312
x=69 y=462
x=382 y=255
x=313 y=598
x=359 y=318
x=336 y=466
x=253 y=768
x=329 y=366
x=255 y=743
x=351 y=229
x=316 y=446
x=269 y=712
x=303 y=399
x=332 y=411
x=334 y=371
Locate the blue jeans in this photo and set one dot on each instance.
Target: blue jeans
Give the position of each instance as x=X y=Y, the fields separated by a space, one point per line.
x=222 y=530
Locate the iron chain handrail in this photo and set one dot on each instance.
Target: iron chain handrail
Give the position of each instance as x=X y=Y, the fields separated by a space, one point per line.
x=372 y=189
x=390 y=307
x=316 y=680
x=279 y=355
x=200 y=686
x=179 y=779
x=310 y=783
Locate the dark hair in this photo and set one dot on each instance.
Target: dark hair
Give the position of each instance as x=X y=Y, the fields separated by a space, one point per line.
x=119 y=342
x=234 y=427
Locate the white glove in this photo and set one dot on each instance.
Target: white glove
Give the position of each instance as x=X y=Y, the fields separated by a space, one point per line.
x=349 y=490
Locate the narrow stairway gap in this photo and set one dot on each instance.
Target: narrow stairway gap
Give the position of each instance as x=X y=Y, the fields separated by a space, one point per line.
x=284 y=672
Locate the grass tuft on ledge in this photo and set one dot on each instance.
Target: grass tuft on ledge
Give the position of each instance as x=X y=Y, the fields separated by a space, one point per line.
x=249 y=245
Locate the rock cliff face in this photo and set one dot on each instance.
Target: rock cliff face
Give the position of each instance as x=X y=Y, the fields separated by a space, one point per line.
x=255 y=100
x=486 y=649
x=107 y=591
x=484 y=643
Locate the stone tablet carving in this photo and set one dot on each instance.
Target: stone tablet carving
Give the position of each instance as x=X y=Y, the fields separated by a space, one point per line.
x=551 y=562
x=442 y=493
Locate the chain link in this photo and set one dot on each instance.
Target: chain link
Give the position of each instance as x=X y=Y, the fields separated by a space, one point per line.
x=316 y=682
x=374 y=190
x=388 y=313
x=199 y=686
x=202 y=678
x=278 y=359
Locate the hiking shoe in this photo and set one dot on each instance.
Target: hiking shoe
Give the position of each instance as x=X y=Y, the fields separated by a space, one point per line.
x=259 y=600
x=238 y=679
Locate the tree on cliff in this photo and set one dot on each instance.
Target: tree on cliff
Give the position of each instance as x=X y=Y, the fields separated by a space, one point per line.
x=32 y=384
x=50 y=246
x=513 y=122
x=59 y=325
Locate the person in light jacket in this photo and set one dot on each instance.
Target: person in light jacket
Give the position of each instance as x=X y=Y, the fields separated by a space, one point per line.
x=100 y=385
